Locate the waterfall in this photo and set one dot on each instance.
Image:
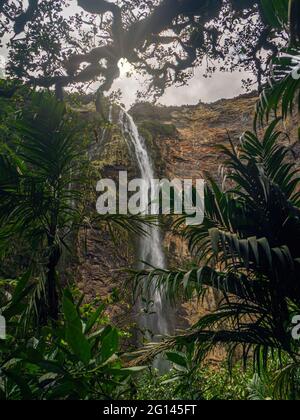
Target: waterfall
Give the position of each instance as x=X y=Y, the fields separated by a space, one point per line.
x=110 y=121
x=159 y=321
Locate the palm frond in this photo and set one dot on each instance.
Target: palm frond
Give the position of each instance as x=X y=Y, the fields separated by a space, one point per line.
x=287 y=382
x=283 y=90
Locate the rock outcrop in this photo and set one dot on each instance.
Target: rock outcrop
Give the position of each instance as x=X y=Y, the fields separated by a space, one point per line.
x=182 y=141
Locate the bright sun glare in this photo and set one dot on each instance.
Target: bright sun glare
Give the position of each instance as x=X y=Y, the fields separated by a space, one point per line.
x=125 y=67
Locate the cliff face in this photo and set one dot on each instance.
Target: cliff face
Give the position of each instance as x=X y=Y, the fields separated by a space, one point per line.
x=190 y=148
x=182 y=141
x=185 y=138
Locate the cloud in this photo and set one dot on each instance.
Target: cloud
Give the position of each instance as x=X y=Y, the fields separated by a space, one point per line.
x=220 y=85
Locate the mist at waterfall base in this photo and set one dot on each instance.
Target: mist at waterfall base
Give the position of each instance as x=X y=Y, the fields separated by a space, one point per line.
x=157 y=319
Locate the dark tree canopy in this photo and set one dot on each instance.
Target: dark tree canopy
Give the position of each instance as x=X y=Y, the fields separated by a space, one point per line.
x=164 y=39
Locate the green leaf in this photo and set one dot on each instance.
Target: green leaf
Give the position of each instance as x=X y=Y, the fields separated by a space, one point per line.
x=22 y=283
x=93 y=319
x=110 y=343
x=17 y=305
x=172 y=380
x=215 y=237
x=276 y=12
x=21 y=383
x=134 y=369
x=176 y=358
x=74 y=335
x=125 y=372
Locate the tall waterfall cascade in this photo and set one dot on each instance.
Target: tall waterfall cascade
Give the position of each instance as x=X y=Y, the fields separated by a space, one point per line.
x=150 y=250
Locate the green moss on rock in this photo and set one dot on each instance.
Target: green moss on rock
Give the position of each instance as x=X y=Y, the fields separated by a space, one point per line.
x=157 y=129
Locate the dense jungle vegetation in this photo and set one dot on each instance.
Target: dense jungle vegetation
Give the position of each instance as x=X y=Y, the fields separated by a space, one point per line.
x=58 y=345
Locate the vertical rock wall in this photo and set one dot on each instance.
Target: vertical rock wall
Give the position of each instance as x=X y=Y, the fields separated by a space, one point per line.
x=183 y=142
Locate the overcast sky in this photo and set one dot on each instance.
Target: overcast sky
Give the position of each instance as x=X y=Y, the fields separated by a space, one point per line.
x=220 y=85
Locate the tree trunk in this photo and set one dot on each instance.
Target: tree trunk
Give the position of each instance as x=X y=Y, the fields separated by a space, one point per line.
x=51 y=287
x=59 y=92
x=294 y=17
x=49 y=303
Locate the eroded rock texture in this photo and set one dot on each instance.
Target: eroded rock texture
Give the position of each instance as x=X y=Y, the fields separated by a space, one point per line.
x=182 y=142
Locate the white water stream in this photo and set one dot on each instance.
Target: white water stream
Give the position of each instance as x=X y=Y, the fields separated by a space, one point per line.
x=158 y=320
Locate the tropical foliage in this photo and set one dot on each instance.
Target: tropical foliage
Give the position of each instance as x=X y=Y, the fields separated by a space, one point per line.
x=247 y=248
x=55 y=348
x=58 y=346
x=283 y=89
x=75 y=359
x=39 y=172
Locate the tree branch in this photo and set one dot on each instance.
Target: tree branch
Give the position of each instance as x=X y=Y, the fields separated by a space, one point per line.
x=25 y=17
x=125 y=43
x=146 y=41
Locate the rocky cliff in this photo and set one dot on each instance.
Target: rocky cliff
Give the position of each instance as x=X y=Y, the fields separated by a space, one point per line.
x=182 y=141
